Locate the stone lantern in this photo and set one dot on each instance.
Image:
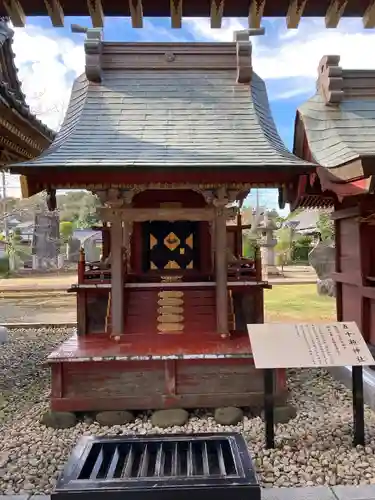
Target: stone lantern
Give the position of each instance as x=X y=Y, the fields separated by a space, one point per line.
x=267 y=243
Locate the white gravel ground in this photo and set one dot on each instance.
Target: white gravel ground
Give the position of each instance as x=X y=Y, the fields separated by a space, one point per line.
x=312 y=449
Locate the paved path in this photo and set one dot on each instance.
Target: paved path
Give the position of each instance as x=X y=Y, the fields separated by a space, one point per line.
x=365 y=492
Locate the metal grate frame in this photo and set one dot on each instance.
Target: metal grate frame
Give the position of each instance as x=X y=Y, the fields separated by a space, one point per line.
x=159 y=467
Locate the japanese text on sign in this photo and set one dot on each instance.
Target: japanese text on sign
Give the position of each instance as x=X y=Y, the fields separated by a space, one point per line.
x=279 y=345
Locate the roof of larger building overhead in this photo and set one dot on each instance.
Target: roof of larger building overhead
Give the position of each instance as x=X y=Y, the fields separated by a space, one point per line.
x=11 y=96
x=339 y=121
x=168 y=105
x=254 y=10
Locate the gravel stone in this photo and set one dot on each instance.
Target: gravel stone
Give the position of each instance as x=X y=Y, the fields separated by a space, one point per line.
x=228 y=416
x=58 y=419
x=114 y=417
x=169 y=418
x=313 y=449
x=282 y=414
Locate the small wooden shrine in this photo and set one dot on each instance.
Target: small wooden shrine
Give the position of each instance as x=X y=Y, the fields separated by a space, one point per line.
x=171 y=138
x=22 y=135
x=336 y=129
x=216 y=10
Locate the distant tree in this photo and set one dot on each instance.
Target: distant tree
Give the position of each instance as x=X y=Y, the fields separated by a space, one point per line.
x=301 y=247
x=66 y=231
x=273 y=214
x=283 y=246
x=79 y=207
x=16 y=236
x=325 y=227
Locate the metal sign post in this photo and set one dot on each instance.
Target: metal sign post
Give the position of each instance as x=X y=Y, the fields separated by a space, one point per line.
x=313 y=346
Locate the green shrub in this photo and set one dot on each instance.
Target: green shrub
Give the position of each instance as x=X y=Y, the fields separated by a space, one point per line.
x=4 y=266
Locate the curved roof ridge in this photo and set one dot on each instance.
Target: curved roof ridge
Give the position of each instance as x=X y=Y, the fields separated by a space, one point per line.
x=266 y=121
x=338 y=134
x=72 y=115
x=168 y=105
x=11 y=88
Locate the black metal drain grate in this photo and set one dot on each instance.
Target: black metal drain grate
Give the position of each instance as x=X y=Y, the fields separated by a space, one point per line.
x=160 y=466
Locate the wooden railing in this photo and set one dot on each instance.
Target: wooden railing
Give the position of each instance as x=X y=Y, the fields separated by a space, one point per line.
x=246 y=269
x=242 y=270
x=89 y=272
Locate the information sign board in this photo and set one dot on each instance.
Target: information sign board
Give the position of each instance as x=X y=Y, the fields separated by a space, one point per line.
x=308 y=345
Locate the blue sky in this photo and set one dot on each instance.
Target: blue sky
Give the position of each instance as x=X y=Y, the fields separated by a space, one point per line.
x=50 y=58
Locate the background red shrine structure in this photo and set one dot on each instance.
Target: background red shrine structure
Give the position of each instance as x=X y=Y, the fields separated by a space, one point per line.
x=169 y=136
x=22 y=135
x=336 y=129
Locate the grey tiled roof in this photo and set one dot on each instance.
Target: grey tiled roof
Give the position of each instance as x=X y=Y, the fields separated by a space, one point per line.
x=10 y=86
x=307 y=219
x=340 y=133
x=168 y=118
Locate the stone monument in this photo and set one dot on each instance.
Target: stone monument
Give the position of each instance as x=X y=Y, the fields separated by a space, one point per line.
x=3 y=335
x=322 y=258
x=89 y=246
x=46 y=240
x=267 y=245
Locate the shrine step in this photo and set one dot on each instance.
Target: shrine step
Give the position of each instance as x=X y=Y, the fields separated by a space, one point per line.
x=163 y=467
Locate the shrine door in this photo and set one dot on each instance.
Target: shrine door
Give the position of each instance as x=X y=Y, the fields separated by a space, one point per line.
x=170 y=245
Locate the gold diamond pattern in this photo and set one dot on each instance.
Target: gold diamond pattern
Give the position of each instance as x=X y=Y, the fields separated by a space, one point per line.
x=172 y=241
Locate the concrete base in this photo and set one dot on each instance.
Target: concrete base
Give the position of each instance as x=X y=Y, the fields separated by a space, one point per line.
x=344 y=375
x=366 y=492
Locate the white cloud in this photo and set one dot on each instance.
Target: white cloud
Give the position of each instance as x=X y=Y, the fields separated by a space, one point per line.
x=201 y=29
x=294 y=54
x=47 y=63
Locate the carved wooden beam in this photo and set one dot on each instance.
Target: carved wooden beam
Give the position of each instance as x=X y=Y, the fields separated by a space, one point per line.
x=93 y=53
x=256 y=13
x=295 y=12
x=15 y=12
x=369 y=16
x=330 y=80
x=55 y=12
x=334 y=13
x=243 y=55
x=176 y=13
x=217 y=9
x=136 y=12
x=96 y=13
x=146 y=214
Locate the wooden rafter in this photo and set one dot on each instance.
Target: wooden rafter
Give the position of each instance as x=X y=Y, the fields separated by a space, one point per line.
x=96 y=13
x=136 y=12
x=256 y=13
x=334 y=13
x=216 y=14
x=15 y=12
x=369 y=16
x=55 y=12
x=295 y=12
x=333 y=10
x=176 y=13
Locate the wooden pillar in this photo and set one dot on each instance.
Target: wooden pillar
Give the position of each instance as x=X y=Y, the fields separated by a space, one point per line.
x=117 y=279
x=221 y=271
x=126 y=242
x=239 y=235
x=105 y=241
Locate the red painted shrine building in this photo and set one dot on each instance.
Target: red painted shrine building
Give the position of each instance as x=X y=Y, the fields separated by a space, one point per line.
x=168 y=136
x=336 y=129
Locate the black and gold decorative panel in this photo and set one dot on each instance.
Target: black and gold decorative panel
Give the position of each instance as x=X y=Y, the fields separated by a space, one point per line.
x=170 y=245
